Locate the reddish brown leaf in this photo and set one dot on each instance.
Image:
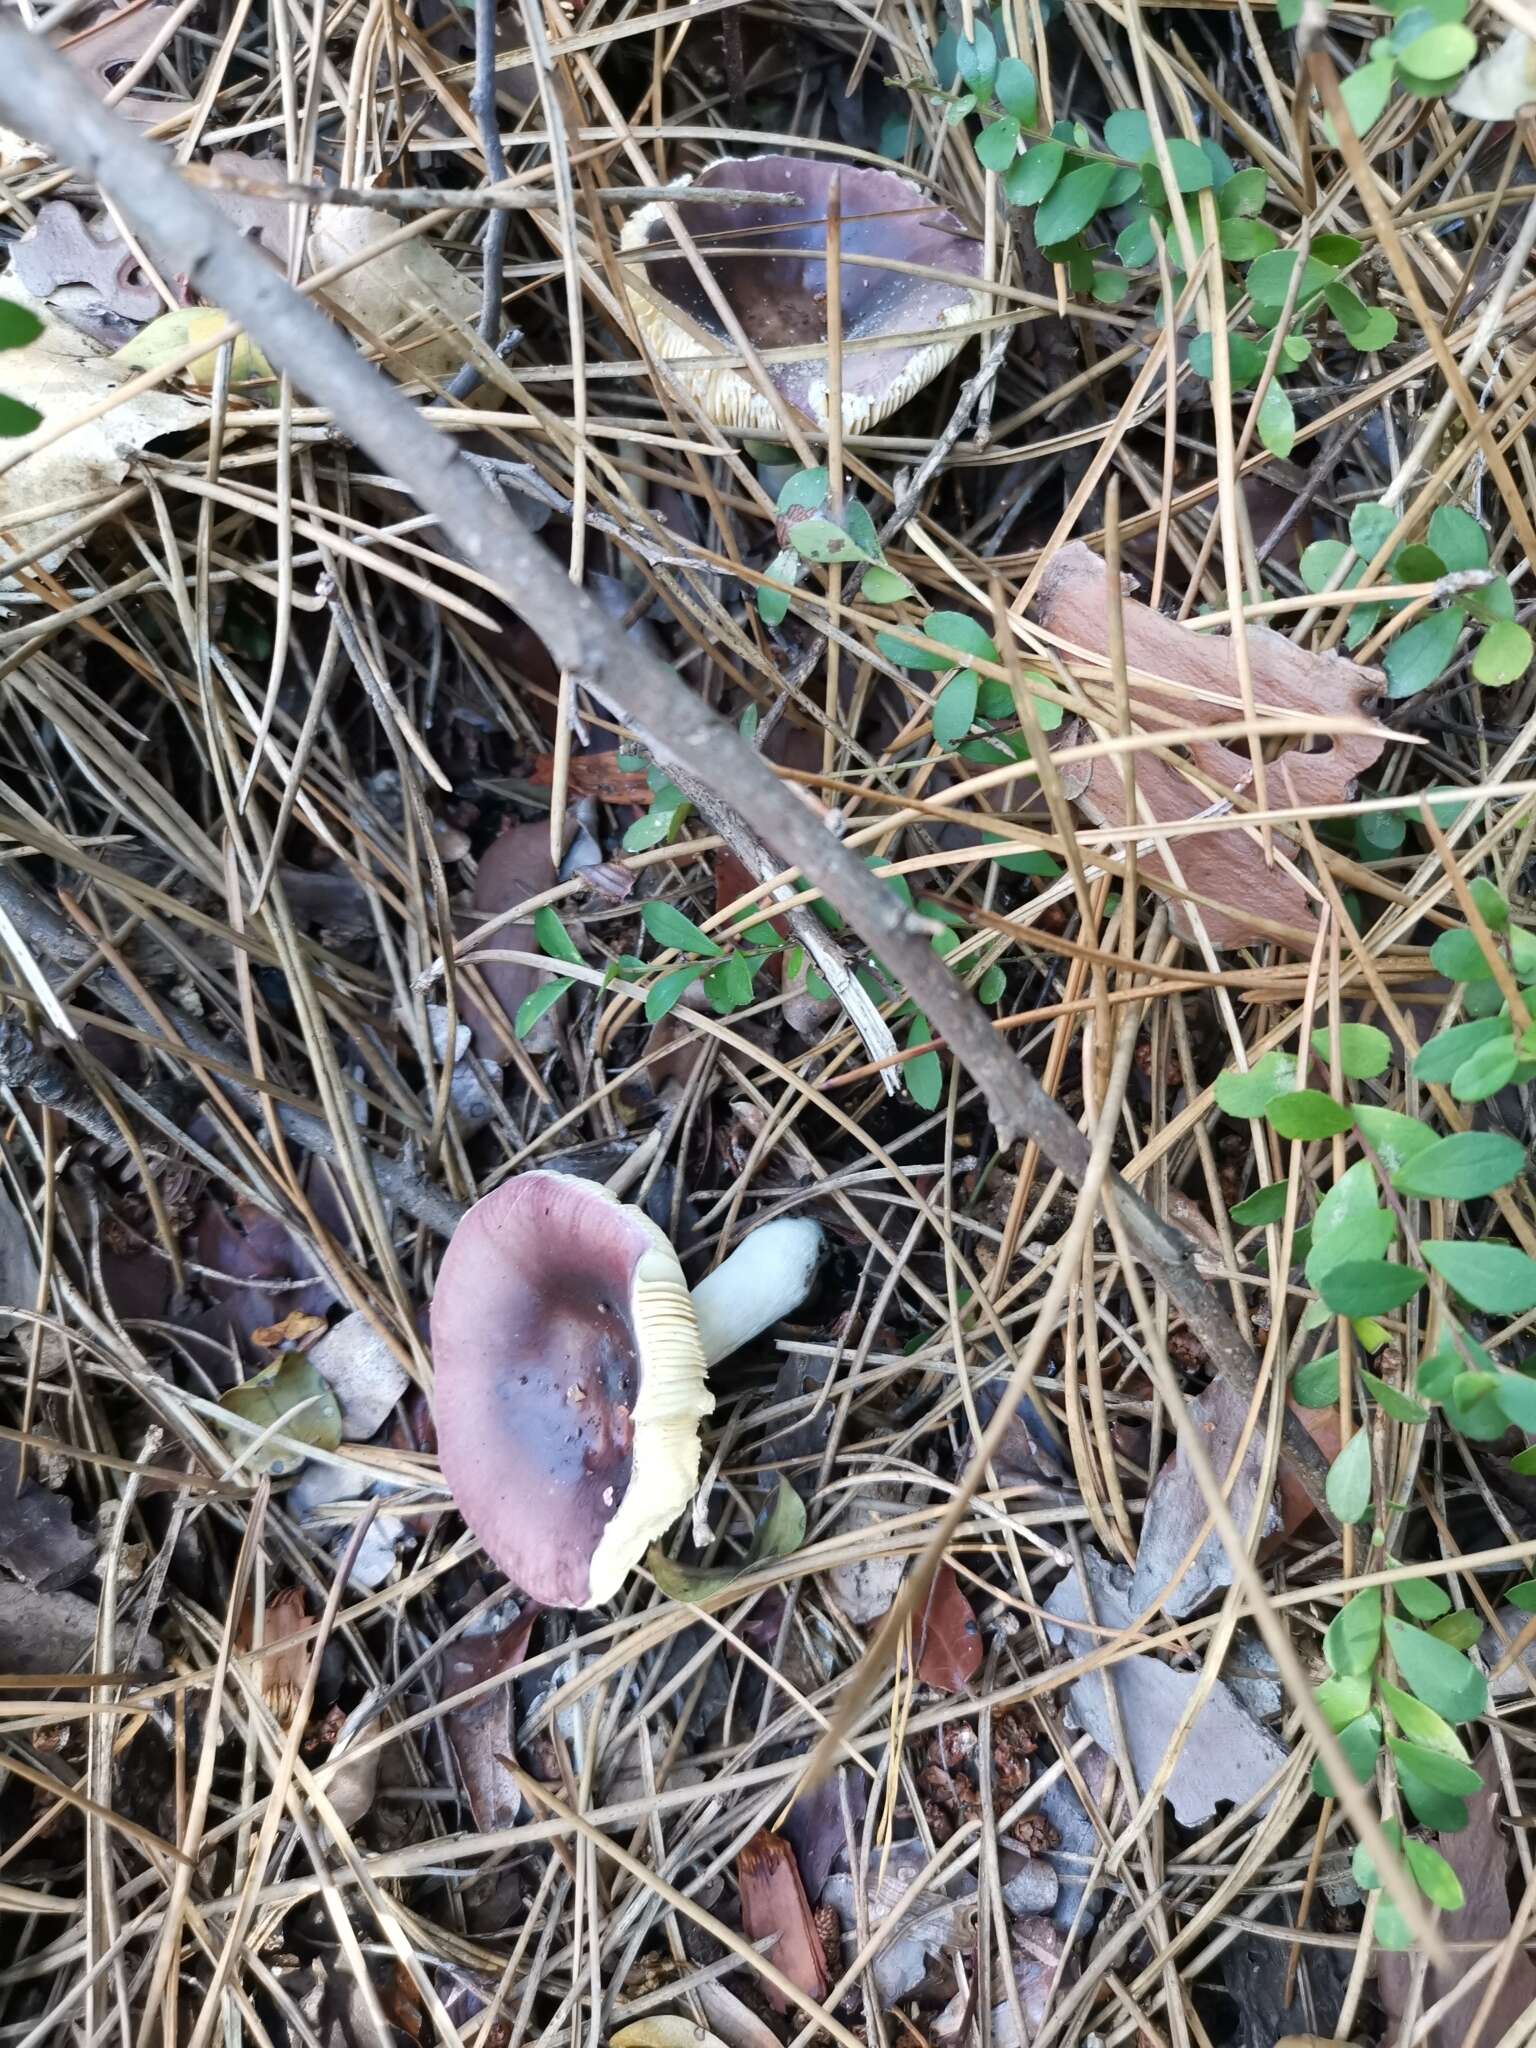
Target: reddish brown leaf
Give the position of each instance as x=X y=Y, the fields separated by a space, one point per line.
x=282 y=1671
x=1479 y=1855
x=1181 y=679
x=512 y=868
x=1296 y=1504
x=948 y=1640
x=773 y=1902
x=290 y=1333
x=595 y=774
x=481 y=1730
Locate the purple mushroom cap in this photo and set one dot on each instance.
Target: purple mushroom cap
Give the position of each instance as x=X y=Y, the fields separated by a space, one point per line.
x=570 y=1384
x=769 y=262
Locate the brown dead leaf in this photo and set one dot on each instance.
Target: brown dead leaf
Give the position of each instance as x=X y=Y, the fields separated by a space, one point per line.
x=1176 y=1510
x=948 y=1640
x=289 y=1333
x=595 y=773
x=1168 y=662
x=773 y=1902
x=408 y=302
x=1479 y=1855
x=1297 y=1506
x=512 y=868
x=282 y=1670
x=481 y=1730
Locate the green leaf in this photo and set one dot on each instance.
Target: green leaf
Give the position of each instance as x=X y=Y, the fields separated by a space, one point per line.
x=1461 y=1629
x=958 y=632
x=1361 y=1743
x=534 y=1006
x=1492 y=907
x=976 y=61
x=668 y=927
x=1248 y=1094
x=1364 y=1052
x=884 y=586
x=729 y=986
x=1457 y=538
x=1306 y=1113
x=1370 y=528
x=1432 y=1767
x=663 y=996
x=1264 y=1205
x=1362 y=1869
x=1354 y=1635
x=1192 y=168
x=1109 y=287
x=19 y=325
x=989 y=989
x=924 y=1076
x=819 y=540
x=553 y=938
x=1316 y=1385
x=1339 y=250
x=1419 y=1724
x=1134 y=244
x=1017 y=91
x=1243 y=194
x=1424 y=1600
x=1503 y=655
x=1442 y=1055
x=1344 y=1699
x=1515 y=1393
x=1365 y=94
x=1430 y=1807
x=17 y=419
x=1492 y=603
x=1393 y=1402
x=1245 y=359
x=1277 y=420
x=1441 y=53
x=1346 y=1267
x=1349 y=1480
x=772 y=601
x=1071 y=202
x=1523 y=1596
x=1496 y=1278
x=1320 y=563
x=1486 y=1071
x=1128 y=133
x=1379 y=833
x=1242 y=240
x=1436 y=1879
x=954 y=709
x=1463 y=1166
x=998 y=144
x=1458 y=954
x=1031 y=177
x=1420 y=656
x=778 y=1531
x=291 y=1397
x=1269 y=278
x=807 y=490
x=1440 y=1676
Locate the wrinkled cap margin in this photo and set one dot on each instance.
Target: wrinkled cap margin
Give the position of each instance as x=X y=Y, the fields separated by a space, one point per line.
x=570 y=1384
x=779 y=298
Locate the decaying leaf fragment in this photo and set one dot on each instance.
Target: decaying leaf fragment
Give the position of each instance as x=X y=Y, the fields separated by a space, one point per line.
x=773 y=1902
x=407 y=300
x=1180 y=679
x=63 y=375
x=290 y=1401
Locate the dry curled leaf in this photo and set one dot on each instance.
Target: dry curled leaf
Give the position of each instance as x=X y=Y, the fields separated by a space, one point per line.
x=773 y=1902
x=664 y=2030
x=1176 y=1510
x=63 y=375
x=86 y=271
x=283 y=1669
x=481 y=1730
x=1178 y=679
x=408 y=302
x=38 y=1538
x=289 y=1333
x=185 y=328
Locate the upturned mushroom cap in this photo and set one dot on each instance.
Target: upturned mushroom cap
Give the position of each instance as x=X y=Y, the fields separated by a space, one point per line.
x=780 y=299
x=570 y=1384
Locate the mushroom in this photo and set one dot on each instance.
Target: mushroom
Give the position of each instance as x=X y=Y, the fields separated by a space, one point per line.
x=570 y=1362
x=769 y=262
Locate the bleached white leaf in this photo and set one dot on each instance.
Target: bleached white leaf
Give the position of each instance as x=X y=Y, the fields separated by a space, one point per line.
x=1500 y=85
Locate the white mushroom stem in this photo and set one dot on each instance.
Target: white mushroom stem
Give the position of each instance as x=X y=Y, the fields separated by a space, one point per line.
x=767 y=1277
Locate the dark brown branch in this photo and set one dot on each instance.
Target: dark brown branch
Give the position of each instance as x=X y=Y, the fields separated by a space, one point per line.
x=42 y=98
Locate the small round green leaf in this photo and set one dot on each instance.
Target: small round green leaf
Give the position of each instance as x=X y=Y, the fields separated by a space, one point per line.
x=1497 y=1278
x=1364 y=1051
x=1420 y=656
x=1307 y=1113
x=1438 y=1675
x=1503 y=655
x=1440 y=53
x=1072 y=202
x=1463 y=1166
x=1349 y=1480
